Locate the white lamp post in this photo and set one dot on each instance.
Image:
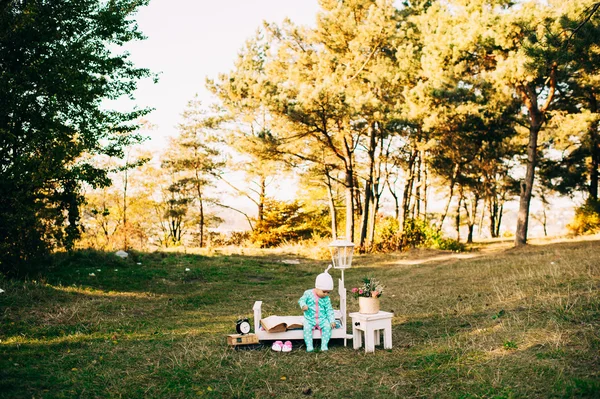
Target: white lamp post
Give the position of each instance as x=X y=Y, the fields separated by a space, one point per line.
x=341 y=255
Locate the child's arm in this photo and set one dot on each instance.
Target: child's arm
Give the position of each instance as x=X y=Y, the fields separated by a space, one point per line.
x=329 y=312
x=302 y=302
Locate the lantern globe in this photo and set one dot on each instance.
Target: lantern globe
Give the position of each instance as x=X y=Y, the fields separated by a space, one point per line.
x=341 y=253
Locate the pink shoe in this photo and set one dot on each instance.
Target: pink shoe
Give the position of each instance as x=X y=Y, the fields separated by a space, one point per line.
x=287 y=347
x=277 y=346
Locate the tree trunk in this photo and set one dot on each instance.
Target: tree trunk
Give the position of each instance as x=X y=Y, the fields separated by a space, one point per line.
x=396 y=202
x=368 y=188
x=349 y=182
x=457 y=217
x=536 y=119
x=416 y=206
x=406 y=202
x=200 y=207
x=471 y=216
x=527 y=183
x=424 y=184
x=545 y=222
x=332 y=210
x=493 y=206
x=262 y=196
x=452 y=184
x=125 y=233
x=376 y=200
x=481 y=217
x=201 y=223
x=373 y=217
x=499 y=219
x=594 y=149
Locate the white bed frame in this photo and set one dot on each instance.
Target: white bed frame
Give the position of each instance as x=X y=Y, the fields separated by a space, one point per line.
x=342 y=314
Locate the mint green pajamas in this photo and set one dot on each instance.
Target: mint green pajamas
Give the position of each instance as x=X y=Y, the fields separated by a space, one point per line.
x=318 y=315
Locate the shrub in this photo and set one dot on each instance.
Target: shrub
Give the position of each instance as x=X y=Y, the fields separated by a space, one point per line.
x=388 y=235
x=234 y=238
x=286 y=222
x=416 y=233
x=587 y=219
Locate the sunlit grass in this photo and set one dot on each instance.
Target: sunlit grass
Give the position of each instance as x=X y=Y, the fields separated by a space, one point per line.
x=503 y=323
x=100 y=293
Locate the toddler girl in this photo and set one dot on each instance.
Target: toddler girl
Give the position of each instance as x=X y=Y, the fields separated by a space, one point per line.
x=318 y=312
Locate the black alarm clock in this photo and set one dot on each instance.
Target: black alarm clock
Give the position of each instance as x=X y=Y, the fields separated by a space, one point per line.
x=242 y=326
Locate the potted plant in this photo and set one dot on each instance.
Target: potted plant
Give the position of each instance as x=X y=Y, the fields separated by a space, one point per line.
x=368 y=295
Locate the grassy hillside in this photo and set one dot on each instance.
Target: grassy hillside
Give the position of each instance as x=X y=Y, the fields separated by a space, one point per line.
x=495 y=323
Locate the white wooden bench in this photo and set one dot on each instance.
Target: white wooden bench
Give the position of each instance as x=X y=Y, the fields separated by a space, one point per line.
x=340 y=314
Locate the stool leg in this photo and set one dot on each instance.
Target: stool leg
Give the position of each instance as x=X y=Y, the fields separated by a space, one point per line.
x=377 y=337
x=369 y=340
x=356 y=337
x=387 y=337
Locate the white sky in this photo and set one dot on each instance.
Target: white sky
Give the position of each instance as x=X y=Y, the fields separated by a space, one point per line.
x=189 y=40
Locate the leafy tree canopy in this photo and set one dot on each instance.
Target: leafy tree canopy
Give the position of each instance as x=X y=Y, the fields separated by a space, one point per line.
x=58 y=62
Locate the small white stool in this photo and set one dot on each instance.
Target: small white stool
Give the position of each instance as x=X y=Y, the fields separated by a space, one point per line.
x=372 y=325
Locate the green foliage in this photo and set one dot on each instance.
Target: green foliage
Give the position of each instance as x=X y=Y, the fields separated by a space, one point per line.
x=501 y=313
x=510 y=345
x=416 y=233
x=287 y=222
x=235 y=238
x=57 y=66
x=387 y=234
x=587 y=219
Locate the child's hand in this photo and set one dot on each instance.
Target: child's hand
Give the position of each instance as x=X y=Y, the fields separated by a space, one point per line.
x=305 y=308
x=333 y=324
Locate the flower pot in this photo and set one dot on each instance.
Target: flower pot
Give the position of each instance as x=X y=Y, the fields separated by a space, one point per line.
x=368 y=305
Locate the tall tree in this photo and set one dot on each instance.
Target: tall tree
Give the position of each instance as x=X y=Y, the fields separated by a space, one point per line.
x=333 y=90
x=196 y=155
x=248 y=128
x=58 y=61
x=576 y=126
x=520 y=43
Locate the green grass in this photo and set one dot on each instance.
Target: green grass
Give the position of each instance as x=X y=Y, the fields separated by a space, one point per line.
x=508 y=324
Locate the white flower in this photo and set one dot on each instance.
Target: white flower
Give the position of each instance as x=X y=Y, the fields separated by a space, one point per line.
x=187 y=269
x=99 y=270
x=92 y=275
x=2 y=291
